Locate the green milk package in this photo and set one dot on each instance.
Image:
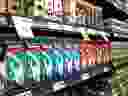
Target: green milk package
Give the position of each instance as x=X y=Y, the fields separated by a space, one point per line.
x=32 y=8
x=27 y=65
x=120 y=74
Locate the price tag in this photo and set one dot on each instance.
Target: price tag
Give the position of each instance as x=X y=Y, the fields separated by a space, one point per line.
x=59 y=85
x=23 y=27
x=85 y=76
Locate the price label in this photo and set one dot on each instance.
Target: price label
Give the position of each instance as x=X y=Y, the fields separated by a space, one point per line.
x=59 y=85
x=23 y=27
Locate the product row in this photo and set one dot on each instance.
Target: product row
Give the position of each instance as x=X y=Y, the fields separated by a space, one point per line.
x=47 y=7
